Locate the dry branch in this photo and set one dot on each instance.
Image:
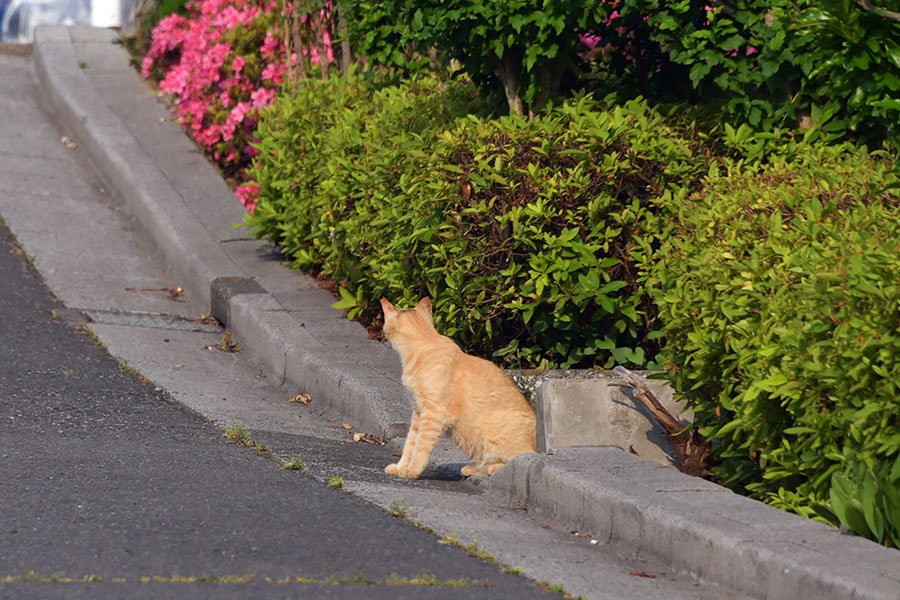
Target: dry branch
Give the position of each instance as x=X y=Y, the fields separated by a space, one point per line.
x=693 y=452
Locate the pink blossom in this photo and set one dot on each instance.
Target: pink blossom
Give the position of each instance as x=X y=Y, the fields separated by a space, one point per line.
x=751 y=51
x=234 y=118
x=272 y=72
x=248 y=194
x=218 y=100
x=262 y=97
x=146 y=65
x=589 y=39
x=175 y=81
x=270 y=46
x=229 y=18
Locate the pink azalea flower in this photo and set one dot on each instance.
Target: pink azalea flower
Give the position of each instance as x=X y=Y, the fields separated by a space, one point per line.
x=146 y=65
x=589 y=39
x=270 y=46
x=248 y=194
x=262 y=97
x=218 y=100
x=272 y=72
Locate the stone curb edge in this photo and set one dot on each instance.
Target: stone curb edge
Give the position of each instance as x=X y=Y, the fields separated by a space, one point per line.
x=572 y=486
x=696 y=526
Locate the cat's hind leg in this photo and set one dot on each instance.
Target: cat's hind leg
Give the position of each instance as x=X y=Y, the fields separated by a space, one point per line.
x=408 y=447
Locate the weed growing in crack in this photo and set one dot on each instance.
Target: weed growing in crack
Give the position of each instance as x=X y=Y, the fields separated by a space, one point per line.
x=239 y=434
x=124 y=367
x=397 y=509
x=295 y=464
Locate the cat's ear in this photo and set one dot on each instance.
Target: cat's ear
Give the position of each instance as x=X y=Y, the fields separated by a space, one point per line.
x=424 y=306
x=390 y=311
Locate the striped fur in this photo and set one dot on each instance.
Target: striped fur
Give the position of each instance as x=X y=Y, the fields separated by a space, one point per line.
x=470 y=398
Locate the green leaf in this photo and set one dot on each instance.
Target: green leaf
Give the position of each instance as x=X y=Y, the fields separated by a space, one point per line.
x=796 y=430
x=348 y=300
x=873 y=516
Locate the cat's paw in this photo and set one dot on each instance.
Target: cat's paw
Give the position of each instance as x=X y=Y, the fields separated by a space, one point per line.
x=393 y=469
x=408 y=474
x=467 y=471
x=492 y=468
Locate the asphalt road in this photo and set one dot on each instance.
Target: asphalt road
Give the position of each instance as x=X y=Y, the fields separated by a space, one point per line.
x=104 y=476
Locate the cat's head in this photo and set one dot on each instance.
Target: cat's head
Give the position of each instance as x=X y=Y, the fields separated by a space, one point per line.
x=407 y=322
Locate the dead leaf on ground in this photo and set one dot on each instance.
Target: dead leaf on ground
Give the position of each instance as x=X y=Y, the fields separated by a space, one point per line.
x=176 y=293
x=226 y=345
x=69 y=144
x=204 y=318
x=302 y=398
x=368 y=438
x=642 y=574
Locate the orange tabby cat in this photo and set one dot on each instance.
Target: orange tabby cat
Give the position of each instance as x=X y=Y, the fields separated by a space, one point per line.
x=471 y=398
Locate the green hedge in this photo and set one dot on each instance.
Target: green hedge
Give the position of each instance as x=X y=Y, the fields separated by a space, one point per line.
x=524 y=233
x=779 y=296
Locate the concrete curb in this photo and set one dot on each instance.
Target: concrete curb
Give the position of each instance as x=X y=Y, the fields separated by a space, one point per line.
x=689 y=524
x=697 y=526
x=185 y=247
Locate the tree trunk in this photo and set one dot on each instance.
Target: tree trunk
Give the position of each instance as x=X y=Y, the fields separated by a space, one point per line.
x=505 y=70
x=550 y=78
x=346 y=52
x=288 y=27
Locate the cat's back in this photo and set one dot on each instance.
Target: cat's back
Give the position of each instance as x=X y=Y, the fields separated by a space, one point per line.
x=486 y=384
x=490 y=417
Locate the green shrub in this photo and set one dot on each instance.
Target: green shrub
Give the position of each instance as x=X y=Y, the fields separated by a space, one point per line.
x=852 y=67
x=524 y=233
x=867 y=501
x=769 y=64
x=521 y=47
x=778 y=290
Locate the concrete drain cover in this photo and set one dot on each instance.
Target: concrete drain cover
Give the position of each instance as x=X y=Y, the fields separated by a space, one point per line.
x=106 y=317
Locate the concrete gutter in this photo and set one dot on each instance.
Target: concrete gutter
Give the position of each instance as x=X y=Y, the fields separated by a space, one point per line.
x=182 y=206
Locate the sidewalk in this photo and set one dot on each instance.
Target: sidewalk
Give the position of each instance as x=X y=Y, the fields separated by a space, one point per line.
x=183 y=207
